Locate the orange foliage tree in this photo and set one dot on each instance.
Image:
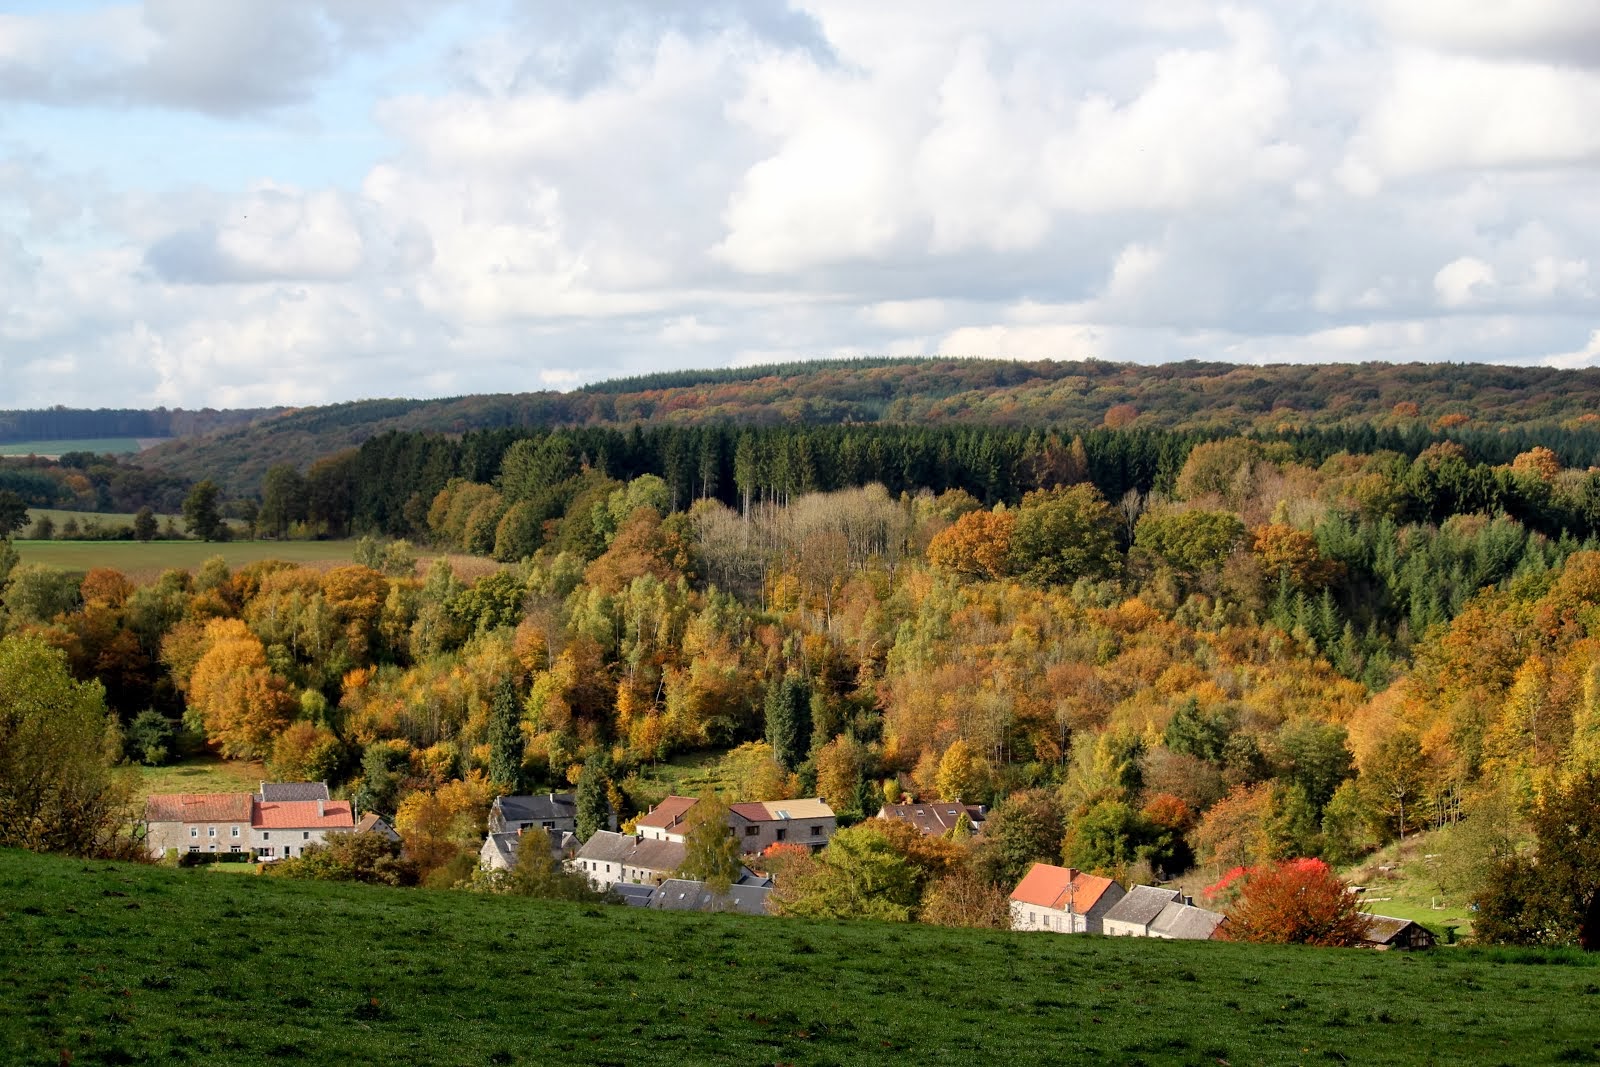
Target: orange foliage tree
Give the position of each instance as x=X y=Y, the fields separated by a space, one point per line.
x=237 y=699
x=977 y=544
x=1296 y=902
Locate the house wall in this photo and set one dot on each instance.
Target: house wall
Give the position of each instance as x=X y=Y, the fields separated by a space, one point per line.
x=555 y=826
x=160 y=836
x=656 y=833
x=1094 y=921
x=643 y=875
x=278 y=840
x=602 y=874
x=1113 y=928
x=1052 y=920
x=813 y=833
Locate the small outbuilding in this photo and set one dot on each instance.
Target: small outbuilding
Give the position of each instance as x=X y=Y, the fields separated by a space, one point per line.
x=1385 y=932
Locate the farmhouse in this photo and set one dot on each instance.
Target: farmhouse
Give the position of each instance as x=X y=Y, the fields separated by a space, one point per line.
x=1062 y=900
x=500 y=850
x=279 y=829
x=197 y=822
x=608 y=858
x=553 y=812
x=757 y=825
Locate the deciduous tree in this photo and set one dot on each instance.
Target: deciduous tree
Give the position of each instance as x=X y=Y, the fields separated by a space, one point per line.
x=1296 y=902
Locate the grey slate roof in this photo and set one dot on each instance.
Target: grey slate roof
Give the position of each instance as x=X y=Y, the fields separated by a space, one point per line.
x=1185 y=922
x=607 y=847
x=538 y=808
x=287 y=792
x=654 y=855
x=635 y=896
x=681 y=894
x=1142 y=904
x=506 y=846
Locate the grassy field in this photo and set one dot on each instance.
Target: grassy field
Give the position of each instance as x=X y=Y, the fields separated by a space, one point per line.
x=102 y=518
x=117 y=446
x=144 y=561
x=1399 y=880
x=106 y=963
x=201 y=774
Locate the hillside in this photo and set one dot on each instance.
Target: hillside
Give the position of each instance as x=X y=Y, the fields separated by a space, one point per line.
x=1215 y=397
x=106 y=963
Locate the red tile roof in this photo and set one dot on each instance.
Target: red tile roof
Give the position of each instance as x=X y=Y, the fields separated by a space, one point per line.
x=754 y=811
x=198 y=807
x=667 y=814
x=303 y=815
x=1060 y=888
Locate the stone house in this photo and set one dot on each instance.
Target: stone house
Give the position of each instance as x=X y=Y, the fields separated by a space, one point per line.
x=1062 y=900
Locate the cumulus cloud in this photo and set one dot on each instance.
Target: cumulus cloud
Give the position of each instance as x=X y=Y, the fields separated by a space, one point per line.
x=554 y=193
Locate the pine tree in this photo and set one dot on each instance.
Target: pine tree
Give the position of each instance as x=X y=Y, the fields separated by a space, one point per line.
x=505 y=737
x=594 y=809
x=788 y=711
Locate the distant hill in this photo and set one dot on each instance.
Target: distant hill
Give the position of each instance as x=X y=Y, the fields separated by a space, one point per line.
x=91 y=424
x=113 y=963
x=1222 y=397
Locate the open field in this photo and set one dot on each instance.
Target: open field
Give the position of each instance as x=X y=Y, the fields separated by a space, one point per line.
x=108 y=963
x=145 y=560
x=1399 y=880
x=103 y=518
x=117 y=446
x=201 y=774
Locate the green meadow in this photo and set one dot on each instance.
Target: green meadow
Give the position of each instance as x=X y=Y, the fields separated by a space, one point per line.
x=145 y=560
x=116 y=446
x=110 y=963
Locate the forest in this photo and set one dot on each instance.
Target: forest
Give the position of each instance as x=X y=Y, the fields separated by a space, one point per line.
x=1070 y=397
x=1148 y=651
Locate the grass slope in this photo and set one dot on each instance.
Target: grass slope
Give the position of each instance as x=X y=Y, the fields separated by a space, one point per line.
x=145 y=560
x=201 y=774
x=106 y=963
x=100 y=446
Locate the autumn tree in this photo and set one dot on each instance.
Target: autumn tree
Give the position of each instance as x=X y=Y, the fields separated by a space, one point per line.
x=1191 y=541
x=349 y=857
x=710 y=850
x=964 y=899
x=444 y=825
x=978 y=544
x=1551 y=896
x=234 y=695
x=960 y=775
x=1023 y=829
x=840 y=764
x=305 y=752
x=1063 y=534
x=57 y=789
x=860 y=875
x=1296 y=902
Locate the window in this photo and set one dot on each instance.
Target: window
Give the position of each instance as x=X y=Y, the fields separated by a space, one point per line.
x=211 y=831
x=194 y=831
x=548 y=825
x=211 y=847
x=235 y=832
x=751 y=831
x=816 y=831
x=266 y=835
x=305 y=835
x=233 y=848
x=194 y=848
x=608 y=868
x=782 y=834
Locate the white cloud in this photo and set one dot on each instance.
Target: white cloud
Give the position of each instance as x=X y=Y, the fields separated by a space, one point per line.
x=556 y=193
x=1587 y=356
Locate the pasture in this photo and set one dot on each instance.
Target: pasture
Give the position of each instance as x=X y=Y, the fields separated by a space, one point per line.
x=115 y=963
x=144 y=561
x=116 y=446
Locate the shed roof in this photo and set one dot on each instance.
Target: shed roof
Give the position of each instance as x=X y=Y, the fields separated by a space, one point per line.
x=682 y=894
x=1382 y=929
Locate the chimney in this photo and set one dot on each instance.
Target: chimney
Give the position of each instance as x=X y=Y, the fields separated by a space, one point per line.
x=519 y=830
x=319 y=809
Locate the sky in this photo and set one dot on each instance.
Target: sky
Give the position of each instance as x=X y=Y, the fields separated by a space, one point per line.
x=259 y=202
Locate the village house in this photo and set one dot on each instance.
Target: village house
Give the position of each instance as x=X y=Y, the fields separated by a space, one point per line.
x=608 y=858
x=1151 y=911
x=279 y=821
x=197 y=822
x=1062 y=900
x=281 y=829
x=373 y=823
x=499 y=851
x=553 y=812
x=938 y=818
x=756 y=825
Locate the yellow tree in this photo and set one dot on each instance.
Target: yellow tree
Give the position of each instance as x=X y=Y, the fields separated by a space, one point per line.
x=237 y=699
